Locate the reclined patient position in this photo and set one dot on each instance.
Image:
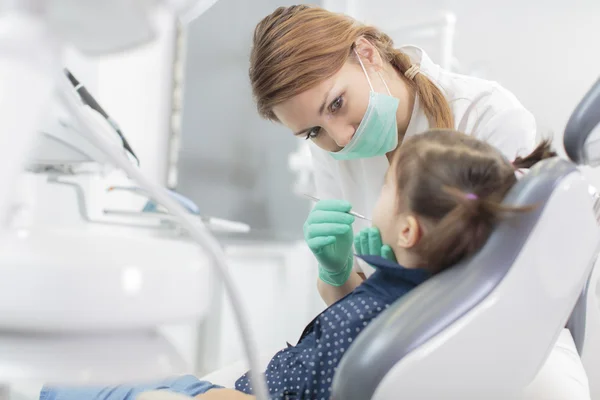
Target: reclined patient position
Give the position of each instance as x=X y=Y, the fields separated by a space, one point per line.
x=441 y=197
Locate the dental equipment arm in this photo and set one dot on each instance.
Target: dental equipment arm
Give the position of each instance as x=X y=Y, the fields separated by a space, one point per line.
x=197 y=231
x=88 y=99
x=151 y=210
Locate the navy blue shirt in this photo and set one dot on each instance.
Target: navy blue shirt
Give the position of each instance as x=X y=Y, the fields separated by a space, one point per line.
x=305 y=371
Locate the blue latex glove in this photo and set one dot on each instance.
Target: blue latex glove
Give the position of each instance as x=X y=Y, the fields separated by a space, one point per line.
x=368 y=242
x=328 y=233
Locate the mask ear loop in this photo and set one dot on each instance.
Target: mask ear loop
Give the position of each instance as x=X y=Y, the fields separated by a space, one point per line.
x=384 y=84
x=367 y=75
x=364 y=70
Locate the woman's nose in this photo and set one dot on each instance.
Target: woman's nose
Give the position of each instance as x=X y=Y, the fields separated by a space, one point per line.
x=341 y=134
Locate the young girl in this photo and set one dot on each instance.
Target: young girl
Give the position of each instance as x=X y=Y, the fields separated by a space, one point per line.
x=441 y=197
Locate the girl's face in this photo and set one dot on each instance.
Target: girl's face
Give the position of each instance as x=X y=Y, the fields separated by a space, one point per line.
x=387 y=209
x=399 y=227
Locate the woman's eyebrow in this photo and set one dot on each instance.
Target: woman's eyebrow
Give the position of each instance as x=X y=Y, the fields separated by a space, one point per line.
x=321 y=110
x=325 y=100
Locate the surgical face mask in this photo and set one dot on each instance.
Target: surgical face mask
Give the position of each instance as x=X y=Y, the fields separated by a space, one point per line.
x=377 y=133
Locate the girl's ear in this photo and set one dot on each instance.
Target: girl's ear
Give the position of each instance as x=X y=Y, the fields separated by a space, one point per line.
x=409 y=232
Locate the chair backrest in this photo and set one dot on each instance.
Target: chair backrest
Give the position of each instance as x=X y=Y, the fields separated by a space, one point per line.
x=582 y=144
x=483 y=328
x=584 y=325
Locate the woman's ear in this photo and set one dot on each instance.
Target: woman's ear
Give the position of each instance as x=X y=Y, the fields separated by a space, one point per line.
x=369 y=54
x=410 y=232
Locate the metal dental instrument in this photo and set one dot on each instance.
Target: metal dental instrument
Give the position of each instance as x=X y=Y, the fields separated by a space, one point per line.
x=357 y=215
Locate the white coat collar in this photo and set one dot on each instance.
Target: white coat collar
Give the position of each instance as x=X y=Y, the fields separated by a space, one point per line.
x=418 y=120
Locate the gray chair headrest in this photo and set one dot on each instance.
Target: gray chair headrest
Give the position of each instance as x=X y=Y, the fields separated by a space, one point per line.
x=582 y=134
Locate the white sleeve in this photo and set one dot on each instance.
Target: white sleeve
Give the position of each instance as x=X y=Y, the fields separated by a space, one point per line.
x=507 y=125
x=327 y=180
x=327 y=185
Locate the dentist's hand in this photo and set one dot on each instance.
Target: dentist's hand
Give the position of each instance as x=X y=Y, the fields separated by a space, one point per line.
x=328 y=233
x=368 y=242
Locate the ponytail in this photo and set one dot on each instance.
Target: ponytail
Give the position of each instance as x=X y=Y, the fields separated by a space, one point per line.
x=436 y=107
x=541 y=152
x=461 y=232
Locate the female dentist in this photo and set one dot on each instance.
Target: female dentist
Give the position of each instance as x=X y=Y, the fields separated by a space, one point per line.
x=343 y=86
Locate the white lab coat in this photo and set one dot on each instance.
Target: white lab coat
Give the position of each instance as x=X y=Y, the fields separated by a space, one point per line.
x=480 y=108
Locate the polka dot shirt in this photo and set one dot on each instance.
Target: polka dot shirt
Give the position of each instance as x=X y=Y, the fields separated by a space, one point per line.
x=306 y=371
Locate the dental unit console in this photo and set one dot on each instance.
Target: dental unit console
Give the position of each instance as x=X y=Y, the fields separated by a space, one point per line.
x=90 y=296
x=62 y=150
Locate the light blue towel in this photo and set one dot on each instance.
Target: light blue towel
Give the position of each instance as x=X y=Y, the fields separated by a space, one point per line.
x=188 y=385
x=151 y=205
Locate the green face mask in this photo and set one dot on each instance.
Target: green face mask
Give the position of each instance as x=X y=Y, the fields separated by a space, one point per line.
x=377 y=133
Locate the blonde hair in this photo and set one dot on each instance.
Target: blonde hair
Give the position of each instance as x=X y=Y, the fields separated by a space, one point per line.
x=296 y=48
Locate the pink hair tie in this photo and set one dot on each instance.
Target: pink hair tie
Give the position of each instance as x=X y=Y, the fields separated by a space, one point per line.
x=471 y=196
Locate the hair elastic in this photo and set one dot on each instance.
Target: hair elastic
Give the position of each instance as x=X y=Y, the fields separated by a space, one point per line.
x=471 y=196
x=412 y=71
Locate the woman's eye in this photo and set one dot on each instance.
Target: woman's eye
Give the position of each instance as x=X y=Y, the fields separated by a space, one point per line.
x=336 y=104
x=313 y=133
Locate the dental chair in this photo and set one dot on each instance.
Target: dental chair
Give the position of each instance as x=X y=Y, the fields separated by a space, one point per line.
x=485 y=328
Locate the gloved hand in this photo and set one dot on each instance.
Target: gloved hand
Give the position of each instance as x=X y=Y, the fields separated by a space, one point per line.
x=328 y=233
x=368 y=242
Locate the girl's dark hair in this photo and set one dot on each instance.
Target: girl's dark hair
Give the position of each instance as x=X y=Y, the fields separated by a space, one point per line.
x=455 y=184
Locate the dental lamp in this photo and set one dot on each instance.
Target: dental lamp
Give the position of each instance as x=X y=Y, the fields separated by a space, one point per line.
x=33 y=35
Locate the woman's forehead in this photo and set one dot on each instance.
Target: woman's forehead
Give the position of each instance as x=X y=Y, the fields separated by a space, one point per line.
x=298 y=111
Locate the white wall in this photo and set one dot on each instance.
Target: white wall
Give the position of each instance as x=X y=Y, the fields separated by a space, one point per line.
x=544 y=51
x=233 y=163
